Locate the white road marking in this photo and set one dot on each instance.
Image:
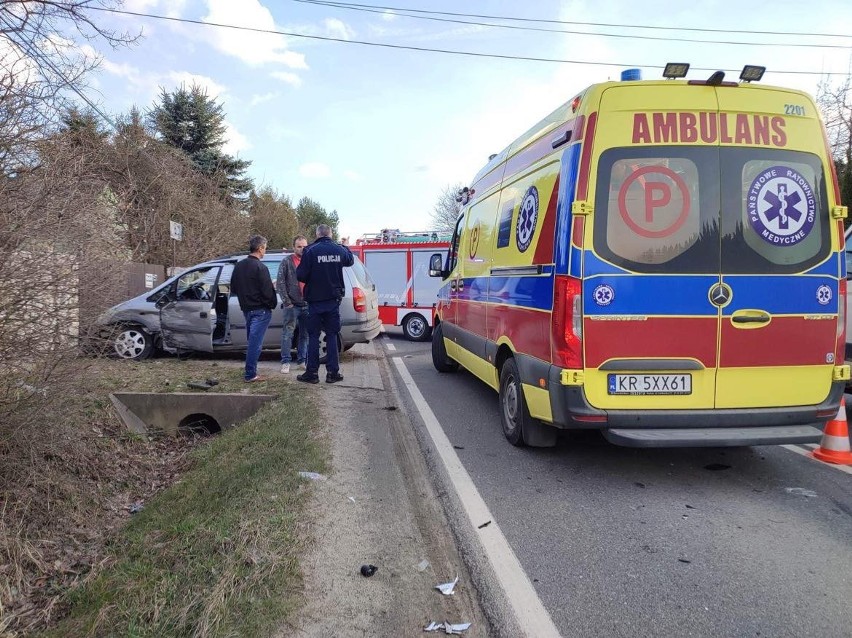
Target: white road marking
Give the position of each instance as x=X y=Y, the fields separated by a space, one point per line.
x=390 y=346
x=520 y=593
x=807 y=453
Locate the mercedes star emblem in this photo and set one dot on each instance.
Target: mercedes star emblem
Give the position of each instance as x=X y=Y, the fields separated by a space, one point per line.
x=720 y=295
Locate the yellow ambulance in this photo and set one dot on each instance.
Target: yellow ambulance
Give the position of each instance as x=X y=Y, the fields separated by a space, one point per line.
x=658 y=259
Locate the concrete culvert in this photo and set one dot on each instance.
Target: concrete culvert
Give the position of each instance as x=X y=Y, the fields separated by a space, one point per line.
x=199 y=425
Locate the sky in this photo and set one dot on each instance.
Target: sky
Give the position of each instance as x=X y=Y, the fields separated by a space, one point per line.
x=377 y=133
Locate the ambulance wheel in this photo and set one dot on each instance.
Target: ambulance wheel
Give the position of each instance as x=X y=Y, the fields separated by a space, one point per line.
x=440 y=359
x=513 y=406
x=415 y=328
x=518 y=426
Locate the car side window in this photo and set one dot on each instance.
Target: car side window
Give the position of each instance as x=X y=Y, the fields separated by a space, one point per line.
x=197 y=285
x=453 y=258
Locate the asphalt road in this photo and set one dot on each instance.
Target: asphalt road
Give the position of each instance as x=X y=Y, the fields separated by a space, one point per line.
x=629 y=542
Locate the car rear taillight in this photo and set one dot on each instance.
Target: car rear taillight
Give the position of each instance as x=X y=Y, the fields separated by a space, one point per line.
x=840 y=346
x=567 y=325
x=359 y=300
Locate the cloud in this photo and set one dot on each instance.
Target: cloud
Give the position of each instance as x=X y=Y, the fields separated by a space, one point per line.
x=286 y=76
x=352 y=176
x=236 y=141
x=314 y=170
x=251 y=47
x=389 y=16
x=260 y=99
x=178 y=78
x=338 y=29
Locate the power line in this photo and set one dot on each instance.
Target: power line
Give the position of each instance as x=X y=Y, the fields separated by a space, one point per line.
x=423 y=49
x=35 y=53
x=590 y=24
x=402 y=13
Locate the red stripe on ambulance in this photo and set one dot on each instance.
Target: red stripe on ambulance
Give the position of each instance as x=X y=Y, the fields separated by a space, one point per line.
x=652 y=338
x=784 y=341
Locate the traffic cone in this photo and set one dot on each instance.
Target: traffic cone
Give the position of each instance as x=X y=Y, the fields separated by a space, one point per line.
x=834 y=447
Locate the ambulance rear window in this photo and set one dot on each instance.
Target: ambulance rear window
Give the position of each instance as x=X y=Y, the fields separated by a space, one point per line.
x=774 y=211
x=657 y=209
x=705 y=209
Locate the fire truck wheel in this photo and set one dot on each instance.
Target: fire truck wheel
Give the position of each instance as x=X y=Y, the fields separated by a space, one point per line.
x=440 y=360
x=415 y=328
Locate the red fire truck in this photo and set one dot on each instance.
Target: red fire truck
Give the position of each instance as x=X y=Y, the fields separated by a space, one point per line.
x=398 y=262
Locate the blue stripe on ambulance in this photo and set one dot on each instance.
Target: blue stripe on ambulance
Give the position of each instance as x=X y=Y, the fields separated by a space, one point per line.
x=780 y=294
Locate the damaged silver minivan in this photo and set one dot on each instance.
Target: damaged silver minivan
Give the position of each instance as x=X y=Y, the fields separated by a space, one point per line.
x=195 y=311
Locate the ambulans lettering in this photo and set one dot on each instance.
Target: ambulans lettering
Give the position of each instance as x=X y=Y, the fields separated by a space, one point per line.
x=327 y=259
x=709 y=128
x=781 y=206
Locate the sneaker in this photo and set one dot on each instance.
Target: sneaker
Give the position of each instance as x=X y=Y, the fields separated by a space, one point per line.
x=304 y=378
x=333 y=378
x=285 y=368
x=256 y=379
x=302 y=365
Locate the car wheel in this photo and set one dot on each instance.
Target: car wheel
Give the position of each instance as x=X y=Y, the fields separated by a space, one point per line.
x=415 y=327
x=440 y=359
x=132 y=342
x=323 y=347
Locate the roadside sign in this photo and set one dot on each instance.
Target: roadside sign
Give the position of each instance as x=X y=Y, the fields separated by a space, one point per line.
x=176 y=231
x=150 y=279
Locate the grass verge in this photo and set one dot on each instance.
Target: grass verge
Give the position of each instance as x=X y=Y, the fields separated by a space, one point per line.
x=217 y=553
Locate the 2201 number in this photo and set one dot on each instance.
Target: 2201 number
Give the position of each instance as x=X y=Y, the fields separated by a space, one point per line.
x=794 y=109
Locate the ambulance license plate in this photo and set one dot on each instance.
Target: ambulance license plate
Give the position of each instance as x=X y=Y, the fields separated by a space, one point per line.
x=649 y=383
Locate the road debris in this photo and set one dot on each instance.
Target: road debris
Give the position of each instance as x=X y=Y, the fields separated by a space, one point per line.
x=352 y=498
x=136 y=507
x=485 y=524
x=368 y=570
x=314 y=476
x=715 y=467
x=448 y=588
x=449 y=628
x=800 y=491
x=199 y=385
x=423 y=565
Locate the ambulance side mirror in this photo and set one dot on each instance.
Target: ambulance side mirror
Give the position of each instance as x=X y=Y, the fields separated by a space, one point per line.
x=436 y=265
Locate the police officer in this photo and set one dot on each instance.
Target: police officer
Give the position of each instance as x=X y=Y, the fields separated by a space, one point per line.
x=321 y=270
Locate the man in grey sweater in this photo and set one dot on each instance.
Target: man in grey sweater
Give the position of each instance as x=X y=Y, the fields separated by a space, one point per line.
x=294 y=305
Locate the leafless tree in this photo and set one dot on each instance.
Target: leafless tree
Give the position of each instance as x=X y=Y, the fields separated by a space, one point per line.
x=447 y=208
x=835 y=102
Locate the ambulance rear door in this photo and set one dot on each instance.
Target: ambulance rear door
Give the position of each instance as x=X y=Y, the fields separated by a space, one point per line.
x=779 y=269
x=650 y=331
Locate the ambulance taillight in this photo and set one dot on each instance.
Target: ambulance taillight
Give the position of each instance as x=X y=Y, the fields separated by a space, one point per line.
x=359 y=299
x=567 y=324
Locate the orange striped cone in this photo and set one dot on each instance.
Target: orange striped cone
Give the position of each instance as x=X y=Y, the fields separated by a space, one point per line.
x=834 y=447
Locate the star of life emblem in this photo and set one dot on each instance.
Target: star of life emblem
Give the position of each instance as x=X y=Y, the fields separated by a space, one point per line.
x=781 y=206
x=527 y=218
x=823 y=295
x=603 y=294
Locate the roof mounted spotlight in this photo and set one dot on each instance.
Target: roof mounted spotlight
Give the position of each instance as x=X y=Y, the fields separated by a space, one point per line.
x=675 y=70
x=752 y=73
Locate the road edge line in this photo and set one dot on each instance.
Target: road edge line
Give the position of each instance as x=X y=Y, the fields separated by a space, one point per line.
x=807 y=454
x=529 y=611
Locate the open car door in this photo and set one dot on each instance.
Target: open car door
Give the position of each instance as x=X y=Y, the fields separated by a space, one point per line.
x=188 y=312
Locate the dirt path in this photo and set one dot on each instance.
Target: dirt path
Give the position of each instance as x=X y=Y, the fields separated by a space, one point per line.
x=395 y=522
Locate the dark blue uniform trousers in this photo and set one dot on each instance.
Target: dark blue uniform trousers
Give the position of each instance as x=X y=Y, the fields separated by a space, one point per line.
x=323 y=315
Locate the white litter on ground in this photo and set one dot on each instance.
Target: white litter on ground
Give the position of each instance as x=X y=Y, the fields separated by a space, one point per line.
x=314 y=476
x=447 y=588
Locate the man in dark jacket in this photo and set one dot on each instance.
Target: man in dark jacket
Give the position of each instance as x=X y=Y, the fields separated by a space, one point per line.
x=252 y=285
x=295 y=307
x=321 y=270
